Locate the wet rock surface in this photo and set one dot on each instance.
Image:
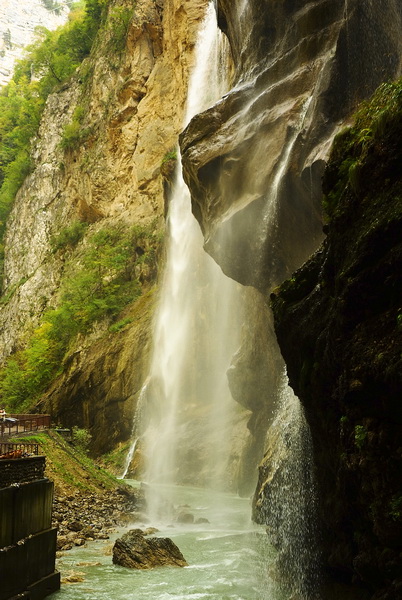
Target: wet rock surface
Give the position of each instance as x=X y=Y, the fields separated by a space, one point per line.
x=134 y=551
x=300 y=69
x=338 y=326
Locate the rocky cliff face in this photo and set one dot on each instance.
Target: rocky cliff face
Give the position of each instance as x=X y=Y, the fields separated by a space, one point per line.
x=254 y=163
x=338 y=325
x=257 y=156
x=17 y=28
x=132 y=99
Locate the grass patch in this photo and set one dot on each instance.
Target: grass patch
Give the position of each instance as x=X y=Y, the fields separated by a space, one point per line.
x=68 y=466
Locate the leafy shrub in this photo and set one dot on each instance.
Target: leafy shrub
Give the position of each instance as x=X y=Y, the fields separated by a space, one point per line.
x=360 y=436
x=52 y=59
x=119 y=23
x=120 y=325
x=73 y=133
x=81 y=439
x=69 y=236
x=96 y=287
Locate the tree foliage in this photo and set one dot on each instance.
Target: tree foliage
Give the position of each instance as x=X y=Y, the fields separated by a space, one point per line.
x=50 y=61
x=99 y=282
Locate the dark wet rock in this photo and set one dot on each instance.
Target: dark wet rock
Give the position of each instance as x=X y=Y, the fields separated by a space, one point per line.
x=185 y=517
x=132 y=550
x=201 y=520
x=338 y=322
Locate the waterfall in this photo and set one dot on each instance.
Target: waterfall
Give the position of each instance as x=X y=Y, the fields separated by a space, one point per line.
x=286 y=502
x=190 y=414
x=189 y=406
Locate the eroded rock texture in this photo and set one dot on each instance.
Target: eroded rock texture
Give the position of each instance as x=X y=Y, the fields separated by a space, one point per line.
x=338 y=326
x=255 y=159
x=135 y=551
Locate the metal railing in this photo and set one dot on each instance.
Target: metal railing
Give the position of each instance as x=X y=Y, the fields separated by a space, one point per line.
x=25 y=423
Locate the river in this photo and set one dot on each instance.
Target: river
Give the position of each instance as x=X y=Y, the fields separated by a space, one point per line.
x=228 y=558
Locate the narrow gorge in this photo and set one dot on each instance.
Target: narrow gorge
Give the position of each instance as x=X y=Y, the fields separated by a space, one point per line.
x=200 y=155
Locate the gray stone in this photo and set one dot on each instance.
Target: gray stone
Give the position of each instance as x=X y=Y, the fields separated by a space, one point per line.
x=132 y=550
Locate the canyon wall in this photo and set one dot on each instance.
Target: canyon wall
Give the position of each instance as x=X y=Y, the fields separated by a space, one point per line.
x=254 y=164
x=338 y=325
x=130 y=99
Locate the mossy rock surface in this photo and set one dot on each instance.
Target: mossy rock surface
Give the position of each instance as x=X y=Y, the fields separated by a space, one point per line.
x=339 y=326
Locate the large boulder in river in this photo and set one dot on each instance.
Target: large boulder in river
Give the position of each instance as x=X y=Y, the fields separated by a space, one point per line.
x=134 y=551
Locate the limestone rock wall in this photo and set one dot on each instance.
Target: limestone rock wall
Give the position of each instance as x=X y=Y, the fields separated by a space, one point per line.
x=132 y=100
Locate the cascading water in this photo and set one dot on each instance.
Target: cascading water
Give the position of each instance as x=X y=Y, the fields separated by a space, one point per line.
x=135 y=436
x=287 y=497
x=197 y=331
x=286 y=502
x=190 y=411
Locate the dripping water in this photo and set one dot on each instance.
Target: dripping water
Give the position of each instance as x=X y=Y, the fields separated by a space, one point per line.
x=288 y=502
x=135 y=432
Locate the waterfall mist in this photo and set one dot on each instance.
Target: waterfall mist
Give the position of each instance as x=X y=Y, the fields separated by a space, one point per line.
x=190 y=414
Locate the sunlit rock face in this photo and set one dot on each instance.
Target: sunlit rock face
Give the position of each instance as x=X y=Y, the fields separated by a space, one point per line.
x=134 y=103
x=255 y=160
x=18 y=21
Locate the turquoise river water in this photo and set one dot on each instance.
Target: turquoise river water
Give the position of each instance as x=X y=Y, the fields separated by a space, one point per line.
x=228 y=558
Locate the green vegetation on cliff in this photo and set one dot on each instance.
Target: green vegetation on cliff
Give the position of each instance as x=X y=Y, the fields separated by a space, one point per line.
x=100 y=279
x=50 y=62
x=374 y=124
x=68 y=466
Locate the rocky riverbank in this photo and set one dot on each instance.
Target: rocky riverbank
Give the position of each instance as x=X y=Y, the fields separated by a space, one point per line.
x=83 y=518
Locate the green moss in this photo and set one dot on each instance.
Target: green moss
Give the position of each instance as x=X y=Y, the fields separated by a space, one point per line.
x=395 y=508
x=120 y=325
x=360 y=436
x=115 y=460
x=375 y=122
